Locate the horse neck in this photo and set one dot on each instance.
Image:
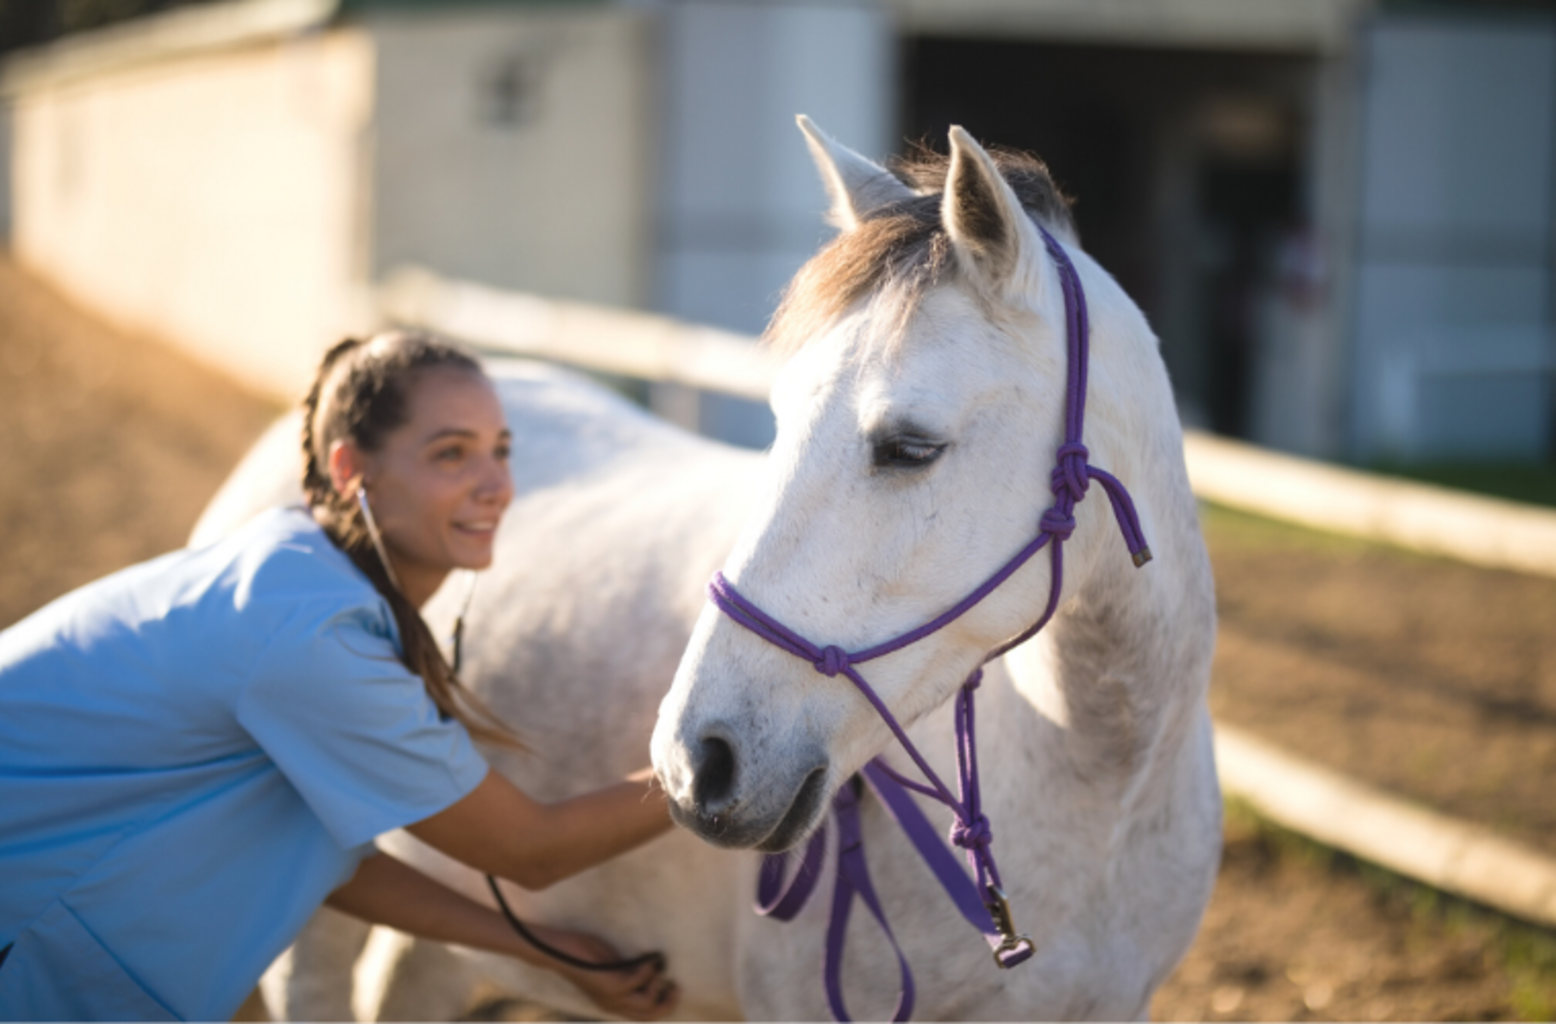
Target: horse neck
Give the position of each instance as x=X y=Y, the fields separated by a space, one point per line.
x=1119 y=675
x=1093 y=721
x=1092 y=740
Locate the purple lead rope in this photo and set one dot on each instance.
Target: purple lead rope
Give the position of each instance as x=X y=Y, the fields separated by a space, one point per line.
x=983 y=904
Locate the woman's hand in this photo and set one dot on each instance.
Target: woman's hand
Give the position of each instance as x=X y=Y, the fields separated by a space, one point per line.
x=643 y=993
x=385 y=891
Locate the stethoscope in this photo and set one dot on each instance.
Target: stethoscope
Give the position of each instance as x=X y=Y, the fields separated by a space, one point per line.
x=455 y=660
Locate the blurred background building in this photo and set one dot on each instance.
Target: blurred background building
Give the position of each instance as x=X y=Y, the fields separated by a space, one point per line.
x=1338 y=214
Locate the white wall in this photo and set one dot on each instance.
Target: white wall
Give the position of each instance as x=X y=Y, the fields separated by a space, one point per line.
x=1453 y=328
x=740 y=205
x=512 y=147
x=210 y=200
x=238 y=202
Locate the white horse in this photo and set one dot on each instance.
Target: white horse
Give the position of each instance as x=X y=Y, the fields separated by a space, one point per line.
x=918 y=421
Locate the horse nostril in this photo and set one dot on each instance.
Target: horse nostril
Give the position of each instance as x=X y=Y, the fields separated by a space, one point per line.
x=715 y=774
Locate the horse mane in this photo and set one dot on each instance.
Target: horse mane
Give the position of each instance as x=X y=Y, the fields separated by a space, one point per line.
x=901 y=246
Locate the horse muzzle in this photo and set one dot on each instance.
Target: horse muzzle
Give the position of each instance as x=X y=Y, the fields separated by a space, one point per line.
x=730 y=802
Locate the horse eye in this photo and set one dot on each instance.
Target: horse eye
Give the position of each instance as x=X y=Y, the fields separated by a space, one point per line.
x=907 y=452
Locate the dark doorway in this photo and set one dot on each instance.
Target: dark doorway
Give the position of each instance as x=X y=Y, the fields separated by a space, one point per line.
x=1187 y=169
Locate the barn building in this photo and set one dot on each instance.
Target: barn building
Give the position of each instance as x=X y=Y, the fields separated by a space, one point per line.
x=1338 y=214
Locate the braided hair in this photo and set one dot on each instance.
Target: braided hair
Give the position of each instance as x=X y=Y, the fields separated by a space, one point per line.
x=361 y=393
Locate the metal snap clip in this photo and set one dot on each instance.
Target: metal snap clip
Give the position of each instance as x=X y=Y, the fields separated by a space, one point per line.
x=999 y=909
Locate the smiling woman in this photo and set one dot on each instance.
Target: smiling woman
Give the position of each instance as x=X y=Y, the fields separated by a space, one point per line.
x=197 y=751
x=405 y=466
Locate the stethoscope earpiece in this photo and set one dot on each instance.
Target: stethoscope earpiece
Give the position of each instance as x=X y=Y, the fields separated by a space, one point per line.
x=377 y=538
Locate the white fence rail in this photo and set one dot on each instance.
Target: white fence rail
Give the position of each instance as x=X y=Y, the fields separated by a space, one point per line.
x=1488 y=532
x=1446 y=853
x=592 y=337
x=1482 y=531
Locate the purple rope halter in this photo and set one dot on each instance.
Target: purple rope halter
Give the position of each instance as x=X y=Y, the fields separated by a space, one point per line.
x=985 y=905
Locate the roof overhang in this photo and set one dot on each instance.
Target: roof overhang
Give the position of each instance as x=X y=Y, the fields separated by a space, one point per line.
x=183 y=31
x=1302 y=26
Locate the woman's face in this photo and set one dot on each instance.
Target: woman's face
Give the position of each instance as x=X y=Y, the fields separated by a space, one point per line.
x=440 y=483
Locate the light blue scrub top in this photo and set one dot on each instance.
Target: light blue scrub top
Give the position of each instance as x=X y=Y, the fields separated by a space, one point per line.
x=193 y=753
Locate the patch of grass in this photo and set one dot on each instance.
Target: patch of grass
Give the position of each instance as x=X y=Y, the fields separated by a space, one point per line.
x=1525 y=953
x=1242 y=823
x=1531 y=960
x=1238 y=529
x=1533 y=483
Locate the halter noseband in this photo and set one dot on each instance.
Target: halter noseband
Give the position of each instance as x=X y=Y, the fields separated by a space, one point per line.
x=984 y=906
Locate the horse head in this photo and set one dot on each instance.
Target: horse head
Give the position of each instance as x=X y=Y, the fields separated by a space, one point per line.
x=918 y=418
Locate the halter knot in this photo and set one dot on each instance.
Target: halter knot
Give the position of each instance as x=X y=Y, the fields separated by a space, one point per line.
x=1071 y=475
x=832 y=661
x=1059 y=524
x=974 y=834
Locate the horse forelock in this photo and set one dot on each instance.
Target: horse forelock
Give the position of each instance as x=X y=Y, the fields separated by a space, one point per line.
x=900 y=250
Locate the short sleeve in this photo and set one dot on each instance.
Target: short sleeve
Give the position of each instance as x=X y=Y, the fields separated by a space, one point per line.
x=352 y=728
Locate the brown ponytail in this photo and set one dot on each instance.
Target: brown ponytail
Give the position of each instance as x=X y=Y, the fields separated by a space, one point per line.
x=361 y=393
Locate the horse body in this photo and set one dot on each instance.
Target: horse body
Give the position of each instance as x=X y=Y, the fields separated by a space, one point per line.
x=917 y=426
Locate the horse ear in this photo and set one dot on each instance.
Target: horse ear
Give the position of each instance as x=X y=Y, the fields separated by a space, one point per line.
x=994 y=240
x=856 y=185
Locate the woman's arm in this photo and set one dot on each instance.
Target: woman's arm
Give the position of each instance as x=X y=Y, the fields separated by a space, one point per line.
x=385 y=891
x=501 y=831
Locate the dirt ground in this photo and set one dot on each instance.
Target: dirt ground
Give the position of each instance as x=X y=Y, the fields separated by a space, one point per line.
x=1433 y=679
x=109 y=446
x=1428 y=677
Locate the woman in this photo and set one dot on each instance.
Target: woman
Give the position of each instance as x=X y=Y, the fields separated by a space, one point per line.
x=197 y=751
